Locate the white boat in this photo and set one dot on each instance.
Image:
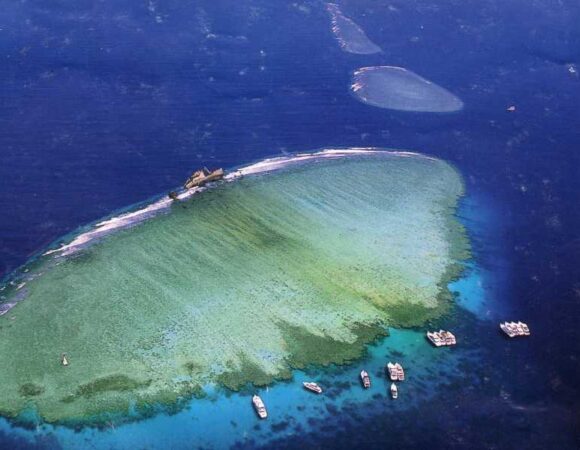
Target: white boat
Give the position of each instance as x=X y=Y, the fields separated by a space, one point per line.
x=400 y=372
x=524 y=326
x=311 y=386
x=366 y=380
x=259 y=406
x=519 y=328
x=63 y=360
x=392 y=369
x=508 y=329
x=513 y=328
x=394 y=390
x=450 y=338
x=435 y=339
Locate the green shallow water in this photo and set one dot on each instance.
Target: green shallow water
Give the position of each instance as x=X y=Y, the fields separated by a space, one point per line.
x=251 y=279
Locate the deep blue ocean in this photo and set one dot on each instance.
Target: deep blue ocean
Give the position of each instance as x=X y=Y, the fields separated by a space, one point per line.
x=107 y=103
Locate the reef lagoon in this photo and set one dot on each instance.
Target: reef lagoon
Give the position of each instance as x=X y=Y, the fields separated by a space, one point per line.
x=289 y=263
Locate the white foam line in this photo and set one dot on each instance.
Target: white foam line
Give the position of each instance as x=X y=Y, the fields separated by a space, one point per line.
x=132 y=218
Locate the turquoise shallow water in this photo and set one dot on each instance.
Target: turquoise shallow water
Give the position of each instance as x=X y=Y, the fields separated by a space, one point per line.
x=224 y=419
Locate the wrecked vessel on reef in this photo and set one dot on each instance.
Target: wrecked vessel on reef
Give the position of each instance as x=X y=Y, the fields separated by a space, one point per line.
x=200 y=177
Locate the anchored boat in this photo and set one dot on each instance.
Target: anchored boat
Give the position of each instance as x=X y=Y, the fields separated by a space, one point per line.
x=63 y=359
x=392 y=370
x=366 y=380
x=394 y=391
x=400 y=372
x=441 y=338
x=396 y=372
x=435 y=339
x=525 y=328
x=513 y=329
x=311 y=386
x=259 y=407
x=449 y=337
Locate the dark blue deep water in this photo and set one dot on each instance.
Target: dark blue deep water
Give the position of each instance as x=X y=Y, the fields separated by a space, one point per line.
x=107 y=103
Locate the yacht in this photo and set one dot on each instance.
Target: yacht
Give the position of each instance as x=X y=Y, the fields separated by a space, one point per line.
x=366 y=380
x=514 y=328
x=400 y=372
x=394 y=390
x=524 y=327
x=311 y=386
x=259 y=406
x=449 y=338
x=508 y=329
x=435 y=339
x=392 y=370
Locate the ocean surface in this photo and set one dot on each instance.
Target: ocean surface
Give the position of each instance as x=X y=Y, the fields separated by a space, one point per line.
x=107 y=104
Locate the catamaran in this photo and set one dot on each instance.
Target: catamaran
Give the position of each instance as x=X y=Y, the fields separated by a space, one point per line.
x=311 y=386
x=259 y=406
x=366 y=380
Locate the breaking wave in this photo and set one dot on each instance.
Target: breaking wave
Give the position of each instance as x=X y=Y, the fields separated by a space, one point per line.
x=132 y=218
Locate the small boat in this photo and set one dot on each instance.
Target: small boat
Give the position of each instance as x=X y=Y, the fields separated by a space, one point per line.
x=524 y=327
x=63 y=359
x=513 y=329
x=259 y=406
x=366 y=380
x=400 y=372
x=435 y=339
x=442 y=338
x=311 y=386
x=518 y=328
x=392 y=370
x=394 y=391
x=508 y=329
x=448 y=337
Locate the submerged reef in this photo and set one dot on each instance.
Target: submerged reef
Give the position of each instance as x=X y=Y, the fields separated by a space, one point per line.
x=238 y=284
x=350 y=36
x=400 y=89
